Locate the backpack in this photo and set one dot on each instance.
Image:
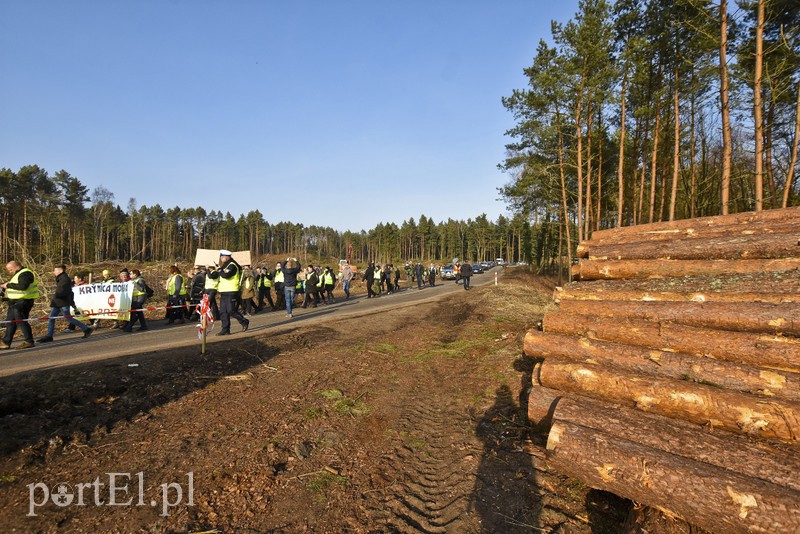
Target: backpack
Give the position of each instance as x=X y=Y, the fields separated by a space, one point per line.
x=148 y=290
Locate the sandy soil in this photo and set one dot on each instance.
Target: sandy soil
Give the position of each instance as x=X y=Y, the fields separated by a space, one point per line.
x=411 y=420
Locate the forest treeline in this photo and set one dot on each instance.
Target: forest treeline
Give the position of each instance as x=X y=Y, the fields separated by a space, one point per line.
x=656 y=110
x=54 y=218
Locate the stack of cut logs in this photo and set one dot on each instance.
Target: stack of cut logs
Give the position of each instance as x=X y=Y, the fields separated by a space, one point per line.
x=670 y=374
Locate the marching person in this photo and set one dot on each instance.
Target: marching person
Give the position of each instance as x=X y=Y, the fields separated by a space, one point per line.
x=369 y=275
x=62 y=303
x=21 y=291
x=124 y=276
x=141 y=291
x=310 y=293
x=210 y=288
x=347 y=278
x=247 y=290
x=330 y=281
x=432 y=275
x=230 y=275
x=264 y=284
x=289 y=270
x=277 y=279
x=418 y=274
x=196 y=288
x=176 y=295
x=466 y=274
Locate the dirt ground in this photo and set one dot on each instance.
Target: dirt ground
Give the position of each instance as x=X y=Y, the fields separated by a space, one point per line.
x=411 y=420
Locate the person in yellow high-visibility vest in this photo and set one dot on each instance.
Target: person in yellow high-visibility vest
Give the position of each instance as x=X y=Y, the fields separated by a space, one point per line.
x=229 y=275
x=21 y=291
x=176 y=295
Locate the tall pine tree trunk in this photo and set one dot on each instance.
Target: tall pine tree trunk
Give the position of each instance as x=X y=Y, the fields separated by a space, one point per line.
x=676 y=149
x=787 y=188
x=653 y=163
x=621 y=161
x=727 y=150
x=758 y=108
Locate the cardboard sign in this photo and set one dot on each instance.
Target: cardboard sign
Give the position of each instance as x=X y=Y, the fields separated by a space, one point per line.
x=104 y=301
x=207 y=256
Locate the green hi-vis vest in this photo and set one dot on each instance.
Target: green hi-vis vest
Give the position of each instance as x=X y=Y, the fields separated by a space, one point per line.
x=377 y=274
x=230 y=285
x=211 y=283
x=16 y=294
x=328 y=278
x=265 y=282
x=139 y=287
x=171 y=285
x=278 y=278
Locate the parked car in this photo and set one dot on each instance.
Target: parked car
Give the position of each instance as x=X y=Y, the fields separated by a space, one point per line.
x=448 y=272
x=477 y=268
x=486 y=265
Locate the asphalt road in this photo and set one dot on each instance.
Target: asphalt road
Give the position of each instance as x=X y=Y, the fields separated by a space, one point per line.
x=71 y=349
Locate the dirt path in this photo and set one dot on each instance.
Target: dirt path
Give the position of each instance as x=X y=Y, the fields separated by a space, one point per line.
x=407 y=420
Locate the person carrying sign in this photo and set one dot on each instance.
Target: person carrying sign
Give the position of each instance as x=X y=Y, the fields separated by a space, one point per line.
x=140 y=294
x=21 y=291
x=62 y=302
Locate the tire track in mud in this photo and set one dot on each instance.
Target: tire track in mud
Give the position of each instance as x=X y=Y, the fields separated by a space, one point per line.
x=427 y=480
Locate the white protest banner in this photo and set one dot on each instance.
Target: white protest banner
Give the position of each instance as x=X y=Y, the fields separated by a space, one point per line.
x=104 y=301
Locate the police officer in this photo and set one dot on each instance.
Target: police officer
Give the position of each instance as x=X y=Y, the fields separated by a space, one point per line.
x=21 y=291
x=229 y=274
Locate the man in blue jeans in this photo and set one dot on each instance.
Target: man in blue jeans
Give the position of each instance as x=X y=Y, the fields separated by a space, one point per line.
x=290 y=268
x=61 y=304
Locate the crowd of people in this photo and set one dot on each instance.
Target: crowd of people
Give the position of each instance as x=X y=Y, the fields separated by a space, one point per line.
x=242 y=291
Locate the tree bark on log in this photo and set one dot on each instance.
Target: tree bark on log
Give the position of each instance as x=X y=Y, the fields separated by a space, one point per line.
x=648 y=520
x=628 y=269
x=744 y=218
x=698 y=403
x=666 y=364
x=782 y=286
x=767 y=246
x=737 y=316
x=542 y=403
x=759 y=350
x=771 y=462
x=712 y=498
x=678 y=234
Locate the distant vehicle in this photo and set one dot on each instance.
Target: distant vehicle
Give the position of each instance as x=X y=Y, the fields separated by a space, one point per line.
x=448 y=272
x=500 y=261
x=477 y=268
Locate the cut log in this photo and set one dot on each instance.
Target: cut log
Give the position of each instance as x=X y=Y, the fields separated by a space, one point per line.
x=759 y=350
x=779 y=216
x=542 y=402
x=698 y=403
x=712 y=498
x=693 y=232
x=627 y=269
x=775 y=287
x=769 y=461
x=648 y=520
x=786 y=245
x=737 y=316
x=666 y=364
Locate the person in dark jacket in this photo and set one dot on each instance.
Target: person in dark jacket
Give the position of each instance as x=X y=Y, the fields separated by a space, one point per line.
x=418 y=273
x=138 y=298
x=62 y=303
x=311 y=288
x=466 y=274
x=196 y=288
x=21 y=291
x=290 y=268
x=369 y=277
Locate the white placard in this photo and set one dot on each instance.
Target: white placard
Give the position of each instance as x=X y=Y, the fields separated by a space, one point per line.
x=104 y=301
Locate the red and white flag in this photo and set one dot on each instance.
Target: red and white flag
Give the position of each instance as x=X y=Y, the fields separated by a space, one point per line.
x=204 y=310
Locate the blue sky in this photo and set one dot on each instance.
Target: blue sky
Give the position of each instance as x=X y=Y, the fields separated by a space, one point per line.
x=341 y=114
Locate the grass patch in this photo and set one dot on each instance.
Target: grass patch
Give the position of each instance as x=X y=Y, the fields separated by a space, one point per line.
x=345 y=405
x=325 y=481
x=331 y=394
x=417 y=443
x=312 y=413
x=386 y=347
x=7 y=479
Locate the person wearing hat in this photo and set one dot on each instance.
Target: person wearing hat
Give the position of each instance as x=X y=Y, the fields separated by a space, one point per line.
x=21 y=291
x=229 y=275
